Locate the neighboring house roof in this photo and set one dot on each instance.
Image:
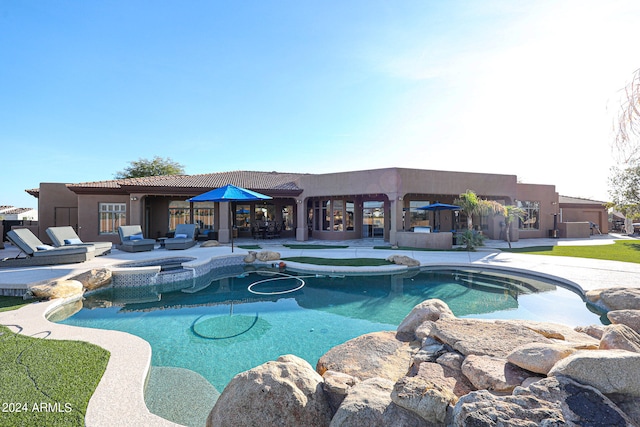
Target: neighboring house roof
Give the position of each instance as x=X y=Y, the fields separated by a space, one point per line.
x=578 y=201
x=15 y=211
x=276 y=182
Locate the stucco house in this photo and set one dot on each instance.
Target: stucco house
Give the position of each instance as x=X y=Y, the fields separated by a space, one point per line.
x=332 y=206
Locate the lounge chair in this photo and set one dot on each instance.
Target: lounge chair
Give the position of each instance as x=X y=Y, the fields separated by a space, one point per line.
x=37 y=253
x=132 y=240
x=183 y=238
x=67 y=237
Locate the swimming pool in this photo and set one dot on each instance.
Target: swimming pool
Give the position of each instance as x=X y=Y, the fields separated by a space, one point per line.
x=247 y=318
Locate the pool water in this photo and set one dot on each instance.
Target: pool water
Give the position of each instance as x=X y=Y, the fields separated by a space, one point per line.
x=225 y=328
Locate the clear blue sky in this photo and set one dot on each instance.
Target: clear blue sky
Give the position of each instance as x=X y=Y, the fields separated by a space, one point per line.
x=515 y=87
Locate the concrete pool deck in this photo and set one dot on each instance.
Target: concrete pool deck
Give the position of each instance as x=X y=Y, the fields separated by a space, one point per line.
x=119 y=397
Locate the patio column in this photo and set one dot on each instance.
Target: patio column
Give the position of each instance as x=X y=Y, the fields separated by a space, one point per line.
x=136 y=209
x=396 y=204
x=224 y=234
x=302 y=233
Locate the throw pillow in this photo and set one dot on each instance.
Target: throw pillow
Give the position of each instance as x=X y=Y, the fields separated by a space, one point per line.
x=44 y=247
x=180 y=236
x=72 y=241
x=136 y=237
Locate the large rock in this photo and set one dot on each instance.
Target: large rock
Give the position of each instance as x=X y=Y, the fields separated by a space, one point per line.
x=539 y=358
x=94 y=279
x=429 y=310
x=615 y=298
x=250 y=257
x=472 y=336
x=336 y=387
x=403 y=260
x=594 y=331
x=378 y=354
x=631 y=318
x=557 y=332
x=287 y=392
x=549 y=402
x=428 y=394
x=493 y=373
x=610 y=371
x=57 y=289
x=620 y=337
x=267 y=256
x=209 y=244
x=369 y=404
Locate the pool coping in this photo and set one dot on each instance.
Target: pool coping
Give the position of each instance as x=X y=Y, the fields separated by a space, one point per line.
x=119 y=396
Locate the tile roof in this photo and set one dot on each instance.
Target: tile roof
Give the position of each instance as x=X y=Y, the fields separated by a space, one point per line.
x=579 y=200
x=248 y=179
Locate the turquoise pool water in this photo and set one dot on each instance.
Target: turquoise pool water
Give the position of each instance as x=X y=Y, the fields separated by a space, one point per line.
x=225 y=329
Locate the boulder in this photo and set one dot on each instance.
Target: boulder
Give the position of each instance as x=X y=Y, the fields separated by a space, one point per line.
x=620 y=337
x=57 y=289
x=550 y=402
x=594 y=331
x=481 y=337
x=378 y=354
x=428 y=395
x=492 y=373
x=209 y=244
x=403 y=260
x=631 y=318
x=286 y=392
x=251 y=257
x=336 y=386
x=539 y=358
x=94 y=279
x=429 y=352
x=429 y=310
x=615 y=298
x=610 y=371
x=369 y=404
x=265 y=256
x=558 y=332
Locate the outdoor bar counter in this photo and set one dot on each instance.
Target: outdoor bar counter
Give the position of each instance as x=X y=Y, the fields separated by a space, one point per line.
x=440 y=240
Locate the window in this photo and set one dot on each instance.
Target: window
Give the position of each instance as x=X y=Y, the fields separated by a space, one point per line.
x=112 y=216
x=418 y=217
x=531 y=218
x=338 y=215
x=180 y=213
x=243 y=217
x=350 y=215
x=326 y=215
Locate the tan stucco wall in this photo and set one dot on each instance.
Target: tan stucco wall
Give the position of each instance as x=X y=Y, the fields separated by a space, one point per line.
x=52 y=196
x=548 y=198
x=595 y=214
x=88 y=216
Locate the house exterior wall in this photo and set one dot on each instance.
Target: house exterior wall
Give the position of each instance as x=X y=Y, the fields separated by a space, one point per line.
x=586 y=212
x=56 y=198
x=89 y=216
x=549 y=207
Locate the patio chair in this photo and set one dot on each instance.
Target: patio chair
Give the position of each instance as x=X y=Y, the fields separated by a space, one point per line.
x=67 y=237
x=132 y=240
x=183 y=238
x=37 y=253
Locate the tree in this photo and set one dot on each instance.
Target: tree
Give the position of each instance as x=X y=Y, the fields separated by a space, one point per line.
x=624 y=179
x=471 y=205
x=156 y=167
x=511 y=213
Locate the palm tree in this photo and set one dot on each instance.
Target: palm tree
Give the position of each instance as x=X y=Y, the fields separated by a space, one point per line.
x=468 y=202
x=511 y=212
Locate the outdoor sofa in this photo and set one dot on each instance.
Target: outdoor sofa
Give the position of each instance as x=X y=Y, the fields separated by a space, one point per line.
x=183 y=238
x=132 y=240
x=37 y=253
x=67 y=237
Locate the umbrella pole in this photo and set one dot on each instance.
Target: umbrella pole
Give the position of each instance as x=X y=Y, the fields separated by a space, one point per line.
x=231 y=226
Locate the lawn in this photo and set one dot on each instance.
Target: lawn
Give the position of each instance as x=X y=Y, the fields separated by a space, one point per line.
x=621 y=250
x=47 y=382
x=311 y=246
x=11 y=303
x=342 y=262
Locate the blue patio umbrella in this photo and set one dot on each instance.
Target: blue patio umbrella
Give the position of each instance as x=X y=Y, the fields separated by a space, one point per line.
x=229 y=193
x=437 y=207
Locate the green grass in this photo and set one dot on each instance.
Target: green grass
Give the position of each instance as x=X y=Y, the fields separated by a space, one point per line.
x=249 y=247
x=303 y=246
x=47 y=382
x=406 y=248
x=621 y=250
x=11 y=303
x=342 y=262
